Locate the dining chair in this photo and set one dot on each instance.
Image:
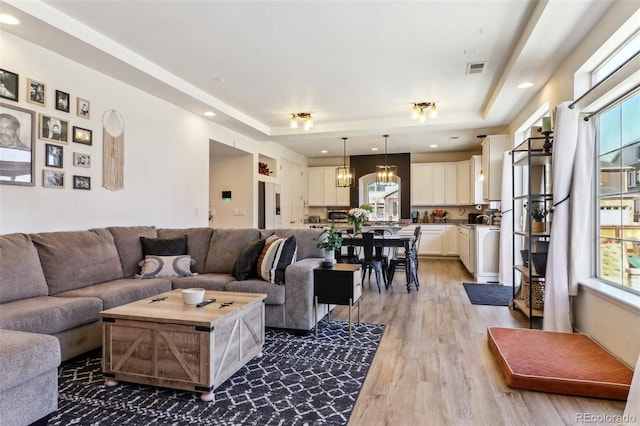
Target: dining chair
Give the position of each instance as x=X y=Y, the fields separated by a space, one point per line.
x=370 y=261
x=411 y=257
x=352 y=255
x=382 y=252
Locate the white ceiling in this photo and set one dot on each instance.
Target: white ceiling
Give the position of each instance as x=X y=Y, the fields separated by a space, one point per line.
x=357 y=66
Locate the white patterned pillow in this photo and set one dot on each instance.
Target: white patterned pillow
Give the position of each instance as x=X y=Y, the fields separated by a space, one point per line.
x=166 y=266
x=277 y=254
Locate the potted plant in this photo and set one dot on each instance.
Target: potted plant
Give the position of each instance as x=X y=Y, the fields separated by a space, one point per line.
x=538 y=212
x=329 y=240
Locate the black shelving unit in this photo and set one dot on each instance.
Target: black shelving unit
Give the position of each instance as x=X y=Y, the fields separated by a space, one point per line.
x=531 y=162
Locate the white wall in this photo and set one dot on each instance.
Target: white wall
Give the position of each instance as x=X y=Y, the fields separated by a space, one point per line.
x=166 y=177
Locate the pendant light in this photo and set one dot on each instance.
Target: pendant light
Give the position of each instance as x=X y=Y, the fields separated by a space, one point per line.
x=386 y=174
x=345 y=176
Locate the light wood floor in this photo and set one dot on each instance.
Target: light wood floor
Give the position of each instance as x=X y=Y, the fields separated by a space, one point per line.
x=433 y=366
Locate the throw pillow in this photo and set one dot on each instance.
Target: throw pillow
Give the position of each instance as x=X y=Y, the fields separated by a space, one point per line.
x=166 y=266
x=164 y=246
x=246 y=265
x=277 y=254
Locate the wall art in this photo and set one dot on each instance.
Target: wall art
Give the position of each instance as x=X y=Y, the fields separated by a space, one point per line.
x=53 y=129
x=36 y=92
x=84 y=110
x=52 y=178
x=9 y=85
x=62 y=101
x=81 y=135
x=17 y=145
x=81 y=182
x=81 y=159
x=53 y=155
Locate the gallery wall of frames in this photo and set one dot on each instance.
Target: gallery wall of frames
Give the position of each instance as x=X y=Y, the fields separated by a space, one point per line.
x=26 y=133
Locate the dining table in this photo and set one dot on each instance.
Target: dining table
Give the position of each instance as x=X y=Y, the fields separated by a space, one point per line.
x=390 y=241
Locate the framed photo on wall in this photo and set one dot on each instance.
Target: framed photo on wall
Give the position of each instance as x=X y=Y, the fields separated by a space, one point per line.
x=62 y=101
x=53 y=155
x=81 y=160
x=81 y=182
x=8 y=85
x=53 y=129
x=81 y=135
x=52 y=178
x=36 y=92
x=84 y=110
x=17 y=145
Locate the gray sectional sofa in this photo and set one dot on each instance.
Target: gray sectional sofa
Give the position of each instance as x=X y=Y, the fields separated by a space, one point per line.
x=56 y=284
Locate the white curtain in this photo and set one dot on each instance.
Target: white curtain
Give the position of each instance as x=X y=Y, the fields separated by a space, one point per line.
x=505 y=275
x=557 y=313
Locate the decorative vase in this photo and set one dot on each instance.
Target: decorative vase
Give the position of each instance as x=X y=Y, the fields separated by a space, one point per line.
x=329 y=258
x=537 y=227
x=357 y=228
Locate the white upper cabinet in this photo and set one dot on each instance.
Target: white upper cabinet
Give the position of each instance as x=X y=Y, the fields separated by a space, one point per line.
x=434 y=184
x=323 y=190
x=463 y=194
x=475 y=183
x=493 y=147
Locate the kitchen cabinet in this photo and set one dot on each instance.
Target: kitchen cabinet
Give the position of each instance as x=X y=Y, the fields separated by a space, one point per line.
x=493 y=147
x=323 y=190
x=438 y=240
x=431 y=240
x=450 y=246
x=475 y=183
x=463 y=194
x=434 y=184
x=464 y=246
x=487 y=253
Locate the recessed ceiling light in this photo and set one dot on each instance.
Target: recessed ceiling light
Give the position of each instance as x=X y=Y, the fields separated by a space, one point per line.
x=324 y=151
x=8 y=19
x=433 y=146
x=374 y=149
x=210 y=113
x=525 y=85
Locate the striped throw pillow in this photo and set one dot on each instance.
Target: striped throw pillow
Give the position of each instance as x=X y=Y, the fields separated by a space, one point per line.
x=277 y=254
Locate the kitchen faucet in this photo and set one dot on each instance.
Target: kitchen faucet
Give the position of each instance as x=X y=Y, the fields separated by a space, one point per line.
x=487 y=216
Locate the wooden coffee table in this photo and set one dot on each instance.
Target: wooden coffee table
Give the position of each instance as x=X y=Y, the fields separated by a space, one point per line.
x=167 y=343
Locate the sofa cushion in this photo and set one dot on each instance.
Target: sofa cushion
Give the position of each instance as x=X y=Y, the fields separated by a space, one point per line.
x=275 y=292
x=49 y=314
x=246 y=265
x=24 y=356
x=305 y=238
x=211 y=281
x=165 y=266
x=77 y=259
x=226 y=245
x=198 y=240
x=122 y=291
x=127 y=240
x=277 y=254
x=164 y=246
x=21 y=275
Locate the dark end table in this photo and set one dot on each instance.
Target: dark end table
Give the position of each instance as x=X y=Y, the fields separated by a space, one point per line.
x=339 y=285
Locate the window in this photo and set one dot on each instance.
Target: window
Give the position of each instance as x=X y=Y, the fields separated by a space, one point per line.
x=626 y=51
x=619 y=193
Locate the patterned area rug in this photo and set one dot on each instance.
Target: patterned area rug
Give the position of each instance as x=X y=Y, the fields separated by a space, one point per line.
x=300 y=380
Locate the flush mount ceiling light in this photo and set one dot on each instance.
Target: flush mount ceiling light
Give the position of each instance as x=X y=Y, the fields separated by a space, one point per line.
x=385 y=174
x=8 y=19
x=422 y=110
x=345 y=175
x=306 y=116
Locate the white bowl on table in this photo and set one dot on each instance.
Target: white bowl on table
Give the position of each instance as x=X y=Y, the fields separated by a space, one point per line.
x=193 y=296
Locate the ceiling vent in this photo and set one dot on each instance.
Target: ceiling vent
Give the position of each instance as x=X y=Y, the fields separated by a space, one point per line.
x=475 y=67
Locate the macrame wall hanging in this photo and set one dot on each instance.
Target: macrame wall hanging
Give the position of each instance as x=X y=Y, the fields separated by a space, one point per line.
x=112 y=150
